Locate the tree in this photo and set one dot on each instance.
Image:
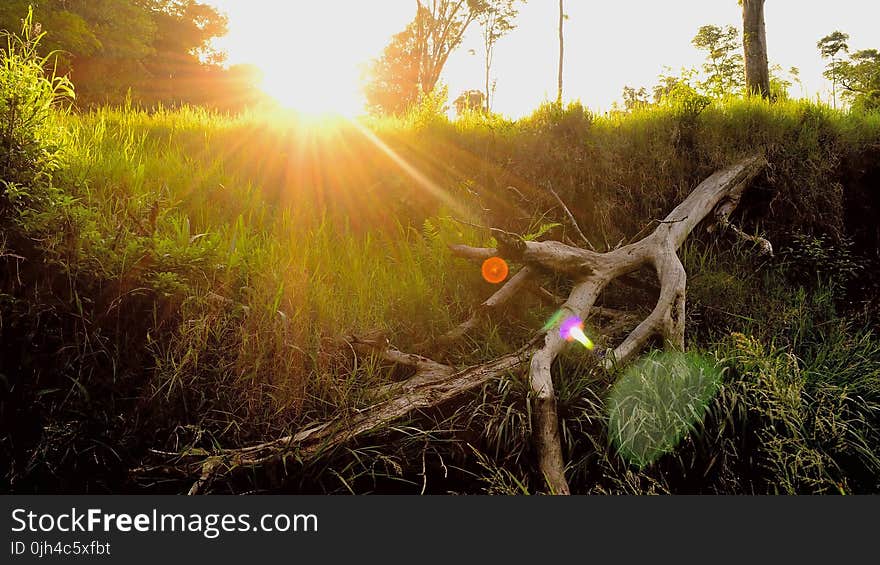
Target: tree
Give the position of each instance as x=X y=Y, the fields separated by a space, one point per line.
x=497 y=20
x=392 y=82
x=411 y=64
x=830 y=46
x=755 y=48
x=724 y=66
x=781 y=81
x=182 y=61
x=470 y=101
x=633 y=98
x=667 y=84
x=155 y=50
x=562 y=18
x=860 y=79
x=439 y=28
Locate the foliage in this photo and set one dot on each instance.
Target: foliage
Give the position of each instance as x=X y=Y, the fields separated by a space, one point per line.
x=633 y=98
x=816 y=259
x=723 y=73
x=830 y=46
x=411 y=64
x=724 y=68
x=781 y=81
x=669 y=83
x=151 y=52
x=392 y=82
x=440 y=26
x=657 y=401
x=859 y=76
x=470 y=101
x=431 y=108
x=27 y=97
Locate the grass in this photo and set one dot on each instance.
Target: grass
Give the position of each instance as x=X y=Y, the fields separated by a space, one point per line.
x=189 y=277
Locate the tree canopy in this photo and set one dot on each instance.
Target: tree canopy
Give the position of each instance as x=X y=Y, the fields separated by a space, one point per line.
x=392 y=82
x=152 y=50
x=859 y=76
x=411 y=64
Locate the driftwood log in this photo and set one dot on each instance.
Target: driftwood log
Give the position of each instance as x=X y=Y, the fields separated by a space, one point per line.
x=434 y=383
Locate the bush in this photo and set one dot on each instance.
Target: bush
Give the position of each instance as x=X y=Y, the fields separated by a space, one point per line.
x=27 y=97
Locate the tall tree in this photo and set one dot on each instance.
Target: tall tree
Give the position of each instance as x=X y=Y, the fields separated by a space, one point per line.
x=724 y=65
x=177 y=68
x=562 y=18
x=391 y=84
x=755 y=48
x=440 y=26
x=830 y=46
x=860 y=79
x=497 y=20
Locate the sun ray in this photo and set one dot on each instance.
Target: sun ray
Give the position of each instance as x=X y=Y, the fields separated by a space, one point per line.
x=423 y=180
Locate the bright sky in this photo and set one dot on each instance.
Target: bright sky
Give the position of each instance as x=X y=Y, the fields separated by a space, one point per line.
x=312 y=51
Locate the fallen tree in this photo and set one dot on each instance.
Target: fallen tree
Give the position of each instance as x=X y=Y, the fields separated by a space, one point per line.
x=434 y=383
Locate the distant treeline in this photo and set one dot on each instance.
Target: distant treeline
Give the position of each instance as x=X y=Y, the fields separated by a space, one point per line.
x=149 y=51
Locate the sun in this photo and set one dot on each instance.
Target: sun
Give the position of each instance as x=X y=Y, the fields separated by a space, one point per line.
x=311 y=55
x=314 y=86
x=309 y=59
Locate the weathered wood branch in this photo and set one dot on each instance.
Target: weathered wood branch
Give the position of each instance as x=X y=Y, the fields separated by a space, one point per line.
x=498 y=299
x=572 y=220
x=431 y=386
x=435 y=383
x=722 y=217
x=597 y=270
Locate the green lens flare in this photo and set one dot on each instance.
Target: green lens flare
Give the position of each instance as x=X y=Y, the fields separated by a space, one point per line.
x=553 y=321
x=657 y=401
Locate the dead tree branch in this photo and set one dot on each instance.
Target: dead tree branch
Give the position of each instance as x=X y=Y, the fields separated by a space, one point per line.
x=435 y=383
x=571 y=220
x=498 y=299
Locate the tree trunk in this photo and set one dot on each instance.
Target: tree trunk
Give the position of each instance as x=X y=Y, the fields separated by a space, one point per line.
x=834 y=82
x=488 y=69
x=561 y=52
x=755 y=47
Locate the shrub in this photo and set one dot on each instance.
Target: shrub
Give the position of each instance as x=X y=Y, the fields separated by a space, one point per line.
x=27 y=96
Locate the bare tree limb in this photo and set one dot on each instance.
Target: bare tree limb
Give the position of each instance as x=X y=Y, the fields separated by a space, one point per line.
x=498 y=299
x=435 y=383
x=572 y=221
x=424 y=390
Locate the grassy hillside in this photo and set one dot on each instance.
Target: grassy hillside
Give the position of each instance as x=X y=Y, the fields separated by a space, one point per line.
x=183 y=279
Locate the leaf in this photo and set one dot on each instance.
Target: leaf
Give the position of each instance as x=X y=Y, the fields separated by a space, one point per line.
x=542 y=230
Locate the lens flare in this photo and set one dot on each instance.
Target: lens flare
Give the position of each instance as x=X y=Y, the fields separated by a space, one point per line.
x=495 y=270
x=553 y=321
x=658 y=401
x=579 y=336
x=572 y=329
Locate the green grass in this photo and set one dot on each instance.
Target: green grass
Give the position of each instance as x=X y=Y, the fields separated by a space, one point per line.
x=191 y=277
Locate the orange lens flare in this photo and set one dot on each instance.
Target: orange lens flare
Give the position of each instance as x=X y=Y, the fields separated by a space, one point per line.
x=495 y=270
